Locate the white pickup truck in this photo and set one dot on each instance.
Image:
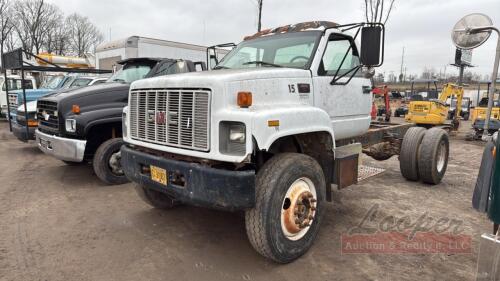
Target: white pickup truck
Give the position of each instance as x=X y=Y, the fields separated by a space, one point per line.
x=278 y=122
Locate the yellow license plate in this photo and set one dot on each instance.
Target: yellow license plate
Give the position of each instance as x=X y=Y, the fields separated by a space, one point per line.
x=158 y=175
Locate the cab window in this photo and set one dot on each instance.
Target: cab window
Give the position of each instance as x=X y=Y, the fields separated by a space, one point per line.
x=80 y=82
x=334 y=54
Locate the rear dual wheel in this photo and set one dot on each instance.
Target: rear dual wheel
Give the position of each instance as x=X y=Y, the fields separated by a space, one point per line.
x=285 y=220
x=424 y=155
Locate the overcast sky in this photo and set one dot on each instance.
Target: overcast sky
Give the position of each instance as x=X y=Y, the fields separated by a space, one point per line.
x=422 y=26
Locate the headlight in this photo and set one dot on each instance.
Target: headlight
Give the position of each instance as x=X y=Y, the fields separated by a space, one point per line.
x=70 y=125
x=124 y=122
x=237 y=134
x=232 y=138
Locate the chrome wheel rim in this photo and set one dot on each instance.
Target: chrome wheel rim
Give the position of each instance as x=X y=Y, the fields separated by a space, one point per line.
x=441 y=156
x=298 y=209
x=114 y=163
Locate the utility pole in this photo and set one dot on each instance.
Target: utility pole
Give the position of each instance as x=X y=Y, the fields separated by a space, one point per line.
x=259 y=25
x=401 y=79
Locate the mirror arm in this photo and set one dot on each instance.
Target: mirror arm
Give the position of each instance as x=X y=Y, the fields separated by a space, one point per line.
x=354 y=70
x=335 y=79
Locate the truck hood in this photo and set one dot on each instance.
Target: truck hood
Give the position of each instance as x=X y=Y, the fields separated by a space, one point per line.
x=31 y=95
x=213 y=77
x=78 y=93
x=31 y=106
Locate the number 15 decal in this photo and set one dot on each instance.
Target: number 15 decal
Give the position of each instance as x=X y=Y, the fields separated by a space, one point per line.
x=291 y=88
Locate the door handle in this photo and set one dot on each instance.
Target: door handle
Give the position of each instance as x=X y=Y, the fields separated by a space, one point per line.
x=367 y=89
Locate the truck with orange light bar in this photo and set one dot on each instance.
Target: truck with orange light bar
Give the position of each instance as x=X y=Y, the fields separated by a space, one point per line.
x=279 y=121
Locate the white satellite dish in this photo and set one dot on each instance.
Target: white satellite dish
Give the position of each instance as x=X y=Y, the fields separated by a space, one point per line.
x=465 y=33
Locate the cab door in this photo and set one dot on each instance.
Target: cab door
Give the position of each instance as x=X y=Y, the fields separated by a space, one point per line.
x=347 y=105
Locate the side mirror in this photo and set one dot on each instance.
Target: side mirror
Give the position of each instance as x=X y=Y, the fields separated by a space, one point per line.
x=372 y=45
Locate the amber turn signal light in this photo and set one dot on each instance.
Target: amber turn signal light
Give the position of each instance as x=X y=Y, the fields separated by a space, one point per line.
x=244 y=99
x=75 y=109
x=32 y=123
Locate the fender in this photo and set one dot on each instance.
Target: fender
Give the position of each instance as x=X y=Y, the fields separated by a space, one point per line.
x=86 y=120
x=293 y=120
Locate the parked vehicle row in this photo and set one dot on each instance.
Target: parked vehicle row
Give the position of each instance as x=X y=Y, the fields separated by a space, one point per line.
x=279 y=121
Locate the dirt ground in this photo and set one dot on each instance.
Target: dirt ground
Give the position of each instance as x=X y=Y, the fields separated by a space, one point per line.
x=59 y=222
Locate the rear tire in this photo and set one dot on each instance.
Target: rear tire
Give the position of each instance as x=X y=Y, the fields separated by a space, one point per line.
x=106 y=162
x=408 y=157
x=154 y=198
x=433 y=156
x=290 y=188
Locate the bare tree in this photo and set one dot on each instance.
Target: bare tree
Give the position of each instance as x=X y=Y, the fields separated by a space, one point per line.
x=36 y=19
x=56 y=39
x=83 y=35
x=378 y=10
x=6 y=24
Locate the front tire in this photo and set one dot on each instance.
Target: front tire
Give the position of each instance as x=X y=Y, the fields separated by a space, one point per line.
x=107 y=164
x=290 y=188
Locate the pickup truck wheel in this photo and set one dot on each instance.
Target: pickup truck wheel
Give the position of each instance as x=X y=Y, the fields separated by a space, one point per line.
x=289 y=194
x=408 y=156
x=106 y=162
x=154 y=198
x=433 y=156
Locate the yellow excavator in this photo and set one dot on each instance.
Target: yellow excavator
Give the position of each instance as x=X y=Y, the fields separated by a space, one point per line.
x=430 y=113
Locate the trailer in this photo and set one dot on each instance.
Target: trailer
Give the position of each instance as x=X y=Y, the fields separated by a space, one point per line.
x=109 y=53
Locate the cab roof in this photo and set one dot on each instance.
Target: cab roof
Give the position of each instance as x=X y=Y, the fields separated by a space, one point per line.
x=303 y=26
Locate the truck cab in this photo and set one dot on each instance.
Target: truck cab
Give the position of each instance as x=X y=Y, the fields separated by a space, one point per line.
x=13 y=85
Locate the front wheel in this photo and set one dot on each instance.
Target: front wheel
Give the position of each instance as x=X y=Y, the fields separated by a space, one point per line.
x=289 y=204
x=107 y=164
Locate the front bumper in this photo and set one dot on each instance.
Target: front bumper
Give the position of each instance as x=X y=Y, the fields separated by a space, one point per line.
x=20 y=132
x=61 y=148
x=203 y=186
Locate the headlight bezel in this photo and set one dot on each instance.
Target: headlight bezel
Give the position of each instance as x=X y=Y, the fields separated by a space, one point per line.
x=70 y=125
x=232 y=138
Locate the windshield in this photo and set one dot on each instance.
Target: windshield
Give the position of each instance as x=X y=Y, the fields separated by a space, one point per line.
x=52 y=83
x=282 y=50
x=130 y=72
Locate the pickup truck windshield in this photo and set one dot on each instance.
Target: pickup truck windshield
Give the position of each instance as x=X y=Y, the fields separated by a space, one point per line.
x=282 y=50
x=131 y=72
x=52 y=83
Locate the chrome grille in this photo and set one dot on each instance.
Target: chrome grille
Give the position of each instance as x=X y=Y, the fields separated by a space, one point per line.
x=173 y=117
x=47 y=114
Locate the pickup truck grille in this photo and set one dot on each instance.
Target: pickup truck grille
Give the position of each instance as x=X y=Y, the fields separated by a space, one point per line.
x=173 y=117
x=47 y=114
x=13 y=102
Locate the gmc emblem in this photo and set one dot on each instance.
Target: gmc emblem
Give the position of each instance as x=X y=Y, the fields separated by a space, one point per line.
x=161 y=118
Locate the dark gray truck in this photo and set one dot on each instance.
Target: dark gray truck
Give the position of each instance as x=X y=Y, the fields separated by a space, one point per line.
x=85 y=125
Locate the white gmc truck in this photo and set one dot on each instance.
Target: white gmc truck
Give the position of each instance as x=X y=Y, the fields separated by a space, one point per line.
x=270 y=130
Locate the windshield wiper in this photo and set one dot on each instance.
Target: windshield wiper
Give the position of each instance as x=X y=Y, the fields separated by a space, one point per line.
x=118 y=80
x=262 y=63
x=221 y=67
